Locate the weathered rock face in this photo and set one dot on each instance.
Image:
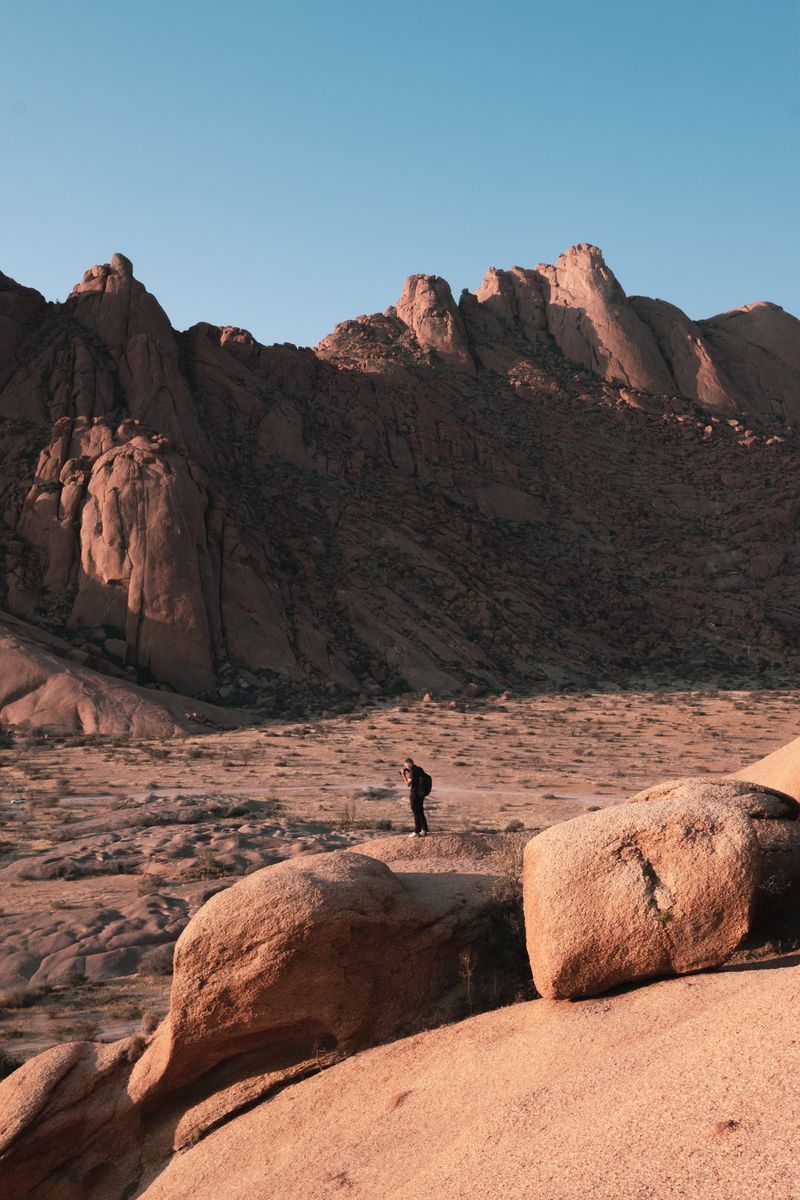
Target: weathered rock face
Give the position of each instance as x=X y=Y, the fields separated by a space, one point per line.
x=696 y=368
x=759 y=802
x=295 y=966
x=593 y=324
x=428 y=308
x=19 y=307
x=637 y=891
x=328 y=953
x=774 y=815
x=67 y=1105
x=45 y=681
x=278 y=526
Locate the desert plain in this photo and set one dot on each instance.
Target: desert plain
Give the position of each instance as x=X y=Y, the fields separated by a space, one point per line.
x=110 y=845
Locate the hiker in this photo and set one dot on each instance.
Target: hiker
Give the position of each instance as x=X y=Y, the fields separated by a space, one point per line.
x=419 y=785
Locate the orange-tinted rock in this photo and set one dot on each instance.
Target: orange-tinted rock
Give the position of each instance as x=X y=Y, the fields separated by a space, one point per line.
x=428 y=308
x=67 y=1127
x=775 y=821
x=638 y=891
x=593 y=324
x=373 y=514
x=698 y=371
x=318 y=954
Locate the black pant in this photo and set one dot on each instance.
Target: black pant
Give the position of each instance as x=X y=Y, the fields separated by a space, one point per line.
x=417 y=808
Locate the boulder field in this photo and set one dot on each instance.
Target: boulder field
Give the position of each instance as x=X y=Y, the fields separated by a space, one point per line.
x=546 y=481
x=242 y=1090
x=286 y=972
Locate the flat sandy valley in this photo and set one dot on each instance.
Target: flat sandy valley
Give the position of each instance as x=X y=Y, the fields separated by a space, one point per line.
x=109 y=846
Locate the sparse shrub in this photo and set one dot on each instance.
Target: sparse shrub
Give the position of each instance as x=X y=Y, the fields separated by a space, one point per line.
x=159 y=961
x=87 y=1030
x=128 y=1010
x=515 y=826
x=8 y=1062
x=24 y=997
x=506 y=864
x=349 y=815
x=150 y=1021
x=148 y=885
x=467 y=963
x=384 y=824
x=205 y=866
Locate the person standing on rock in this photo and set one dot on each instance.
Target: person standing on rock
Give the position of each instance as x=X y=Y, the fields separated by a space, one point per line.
x=419 y=786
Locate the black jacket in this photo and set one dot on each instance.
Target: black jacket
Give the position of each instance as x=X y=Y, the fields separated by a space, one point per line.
x=415 y=784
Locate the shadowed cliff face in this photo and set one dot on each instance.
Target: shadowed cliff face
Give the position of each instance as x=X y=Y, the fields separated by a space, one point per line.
x=546 y=482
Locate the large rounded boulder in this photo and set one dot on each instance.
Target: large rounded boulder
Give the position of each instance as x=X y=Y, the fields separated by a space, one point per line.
x=775 y=821
x=638 y=891
x=305 y=958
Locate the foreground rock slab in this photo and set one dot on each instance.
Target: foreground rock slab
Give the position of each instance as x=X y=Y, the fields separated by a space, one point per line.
x=781 y=769
x=684 y=1088
x=638 y=891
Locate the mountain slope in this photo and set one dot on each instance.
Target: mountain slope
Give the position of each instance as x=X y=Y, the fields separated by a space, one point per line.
x=548 y=482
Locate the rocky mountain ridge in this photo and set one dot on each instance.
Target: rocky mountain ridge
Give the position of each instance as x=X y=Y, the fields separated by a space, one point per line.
x=548 y=482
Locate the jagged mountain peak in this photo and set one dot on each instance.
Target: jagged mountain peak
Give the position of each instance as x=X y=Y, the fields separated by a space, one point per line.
x=517 y=487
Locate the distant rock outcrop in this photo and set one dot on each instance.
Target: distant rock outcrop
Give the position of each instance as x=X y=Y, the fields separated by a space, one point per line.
x=547 y=481
x=593 y=324
x=428 y=308
x=46 y=682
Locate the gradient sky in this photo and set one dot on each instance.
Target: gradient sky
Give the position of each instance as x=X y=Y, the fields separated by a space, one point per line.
x=283 y=166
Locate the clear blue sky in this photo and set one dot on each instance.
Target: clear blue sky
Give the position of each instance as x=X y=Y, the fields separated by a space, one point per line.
x=283 y=166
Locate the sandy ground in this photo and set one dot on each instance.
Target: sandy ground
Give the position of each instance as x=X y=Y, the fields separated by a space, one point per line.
x=109 y=846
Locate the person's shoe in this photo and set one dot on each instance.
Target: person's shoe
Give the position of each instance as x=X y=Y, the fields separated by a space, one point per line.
x=424 y=833
x=413 y=835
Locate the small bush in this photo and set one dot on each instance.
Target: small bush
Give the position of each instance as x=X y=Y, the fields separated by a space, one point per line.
x=159 y=961
x=149 y=884
x=8 y=1063
x=205 y=866
x=24 y=997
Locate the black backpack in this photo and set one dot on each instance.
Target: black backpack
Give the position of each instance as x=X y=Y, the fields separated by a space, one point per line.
x=425 y=783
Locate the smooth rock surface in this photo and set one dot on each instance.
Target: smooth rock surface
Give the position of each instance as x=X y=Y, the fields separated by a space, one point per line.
x=328 y=953
x=638 y=891
x=666 y=1091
